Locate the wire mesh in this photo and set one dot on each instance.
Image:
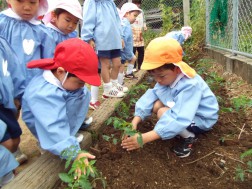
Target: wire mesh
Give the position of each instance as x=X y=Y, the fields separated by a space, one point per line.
x=230 y=25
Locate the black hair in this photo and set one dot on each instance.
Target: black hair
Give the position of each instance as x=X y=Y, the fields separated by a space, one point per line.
x=68 y=75
x=169 y=66
x=137 y=1
x=59 y=11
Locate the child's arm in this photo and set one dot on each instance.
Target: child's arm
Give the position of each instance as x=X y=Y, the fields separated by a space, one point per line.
x=89 y=20
x=131 y=143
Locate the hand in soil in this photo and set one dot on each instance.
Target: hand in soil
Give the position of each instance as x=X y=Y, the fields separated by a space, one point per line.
x=130 y=143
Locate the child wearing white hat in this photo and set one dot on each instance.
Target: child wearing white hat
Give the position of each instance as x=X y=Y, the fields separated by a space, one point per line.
x=62 y=19
x=128 y=14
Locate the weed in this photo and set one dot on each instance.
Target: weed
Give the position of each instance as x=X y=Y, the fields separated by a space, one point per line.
x=241 y=102
x=89 y=169
x=240 y=172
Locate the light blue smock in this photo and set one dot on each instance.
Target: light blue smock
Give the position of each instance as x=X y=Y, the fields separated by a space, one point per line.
x=8 y=63
x=29 y=40
x=127 y=51
x=57 y=35
x=7 y=160
x=14 y=68
x=101 y=23
x=190 y=100
x=53 y=114
x=178 y=35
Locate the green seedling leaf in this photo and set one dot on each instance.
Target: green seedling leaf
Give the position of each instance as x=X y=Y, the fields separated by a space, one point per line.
x=247 y=153
x=65 y=177
x=106 y=137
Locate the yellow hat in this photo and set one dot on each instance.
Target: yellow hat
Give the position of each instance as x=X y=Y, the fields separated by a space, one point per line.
x=162 y=51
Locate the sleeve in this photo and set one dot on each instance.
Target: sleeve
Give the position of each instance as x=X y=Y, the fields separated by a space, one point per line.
x=178 y=117
x=51 y=123
x=145 y=104
x=89 y=20
x=48 y=45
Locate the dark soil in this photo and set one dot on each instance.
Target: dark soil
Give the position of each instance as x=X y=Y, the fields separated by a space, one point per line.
x=212 y=164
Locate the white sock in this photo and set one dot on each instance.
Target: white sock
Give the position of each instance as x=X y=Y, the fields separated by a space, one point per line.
x=130 y=68
x=107 y=87
x=114 y=81
x=185 y=134
x=120 y=78
x=94 y=94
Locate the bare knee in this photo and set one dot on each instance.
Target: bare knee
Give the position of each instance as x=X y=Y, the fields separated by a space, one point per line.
x=157 y=105
x=161 y=111
x=11 y=144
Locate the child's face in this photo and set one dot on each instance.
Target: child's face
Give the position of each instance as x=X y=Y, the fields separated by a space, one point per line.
x=131 y=16
x=26 y=9
x=70 y=83
x=65 y=22
x=165 y=76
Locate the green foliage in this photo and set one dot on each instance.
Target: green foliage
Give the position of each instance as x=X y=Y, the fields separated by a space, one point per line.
x=240 y=172
x=149 y=35
x=126 y=128
x=110 y=138
x=123 y=110
x=166 y=16
x=241 y=102
x=84 y=181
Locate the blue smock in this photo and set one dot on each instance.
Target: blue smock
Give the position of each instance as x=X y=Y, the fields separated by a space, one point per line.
x=7 y=160
x=14 y=68
x=57 y=35
x=53 y=114
x=30 y=40
x=127 y=51
x=101 y=23
x=190 y=99
x=177 y=35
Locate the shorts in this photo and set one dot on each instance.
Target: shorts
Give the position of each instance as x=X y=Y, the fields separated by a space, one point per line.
x=13 y=128
x=194 y=129
x=115 y=53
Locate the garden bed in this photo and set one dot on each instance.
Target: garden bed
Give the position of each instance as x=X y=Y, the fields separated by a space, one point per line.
x=216 y=155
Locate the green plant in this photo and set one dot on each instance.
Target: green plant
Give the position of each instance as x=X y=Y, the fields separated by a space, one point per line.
x=110 y=138
x=123 y=110
x=240 y=172
x=126 y=128
x=85 y=180
x=241 y=102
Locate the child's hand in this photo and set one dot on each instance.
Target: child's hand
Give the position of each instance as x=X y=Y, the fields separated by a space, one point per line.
x=130 y=143
x=92 y=43
x=123 y=44
x=86 y=156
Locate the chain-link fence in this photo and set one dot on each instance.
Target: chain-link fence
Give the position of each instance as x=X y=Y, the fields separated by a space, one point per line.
x=229 y=25
x=153 y=12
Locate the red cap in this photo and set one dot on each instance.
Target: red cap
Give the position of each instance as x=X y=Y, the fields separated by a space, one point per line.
x=75 y=56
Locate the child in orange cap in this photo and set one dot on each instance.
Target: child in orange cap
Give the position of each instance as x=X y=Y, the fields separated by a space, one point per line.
x=182 y=100
x=55 y=102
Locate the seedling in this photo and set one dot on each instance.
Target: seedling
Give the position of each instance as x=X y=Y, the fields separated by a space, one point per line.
x=241 y=102
x=126 y=128
x=84 y=181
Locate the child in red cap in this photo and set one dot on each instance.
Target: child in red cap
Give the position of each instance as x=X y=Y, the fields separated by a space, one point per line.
x=55 y=102
x=182 y=100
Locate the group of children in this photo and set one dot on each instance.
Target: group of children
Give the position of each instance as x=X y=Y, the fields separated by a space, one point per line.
x=44 y=68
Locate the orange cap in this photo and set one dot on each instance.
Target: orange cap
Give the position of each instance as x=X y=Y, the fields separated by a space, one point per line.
x=162 y=51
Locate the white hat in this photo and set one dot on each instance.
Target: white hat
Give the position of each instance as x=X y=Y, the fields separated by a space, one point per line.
x=187 y=31
x=127 y=7
x=71 y=6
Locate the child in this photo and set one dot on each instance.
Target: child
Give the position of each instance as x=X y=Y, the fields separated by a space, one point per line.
x=183 y=102
x=20 y=26
x=138 y=27
x=128 y=13
x=8 y=162
x=101 y=29
x=55 y=102
x=12 y=85
x=180 y=36
x=62 y=19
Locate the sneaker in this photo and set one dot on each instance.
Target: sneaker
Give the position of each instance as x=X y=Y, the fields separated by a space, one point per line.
x=121 y=88
x=20 y=157
x=86 y=123
x=95 y=105
x=134 y=70
x=130 y=76
x=79 y=137
x=185 y=147
x=114 y=92
x=6 y=178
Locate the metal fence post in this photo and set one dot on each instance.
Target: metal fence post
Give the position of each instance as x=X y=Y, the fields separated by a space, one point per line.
x=207 y=23
x=235 y=26
x=186 y=9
